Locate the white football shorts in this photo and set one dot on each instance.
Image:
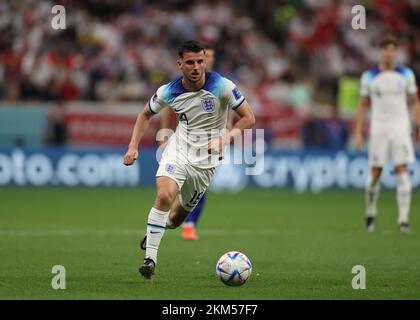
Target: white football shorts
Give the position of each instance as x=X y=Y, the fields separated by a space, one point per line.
x=192 y=181
x=391 y=145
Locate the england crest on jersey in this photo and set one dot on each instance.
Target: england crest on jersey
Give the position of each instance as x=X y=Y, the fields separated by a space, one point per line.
x=208 y=105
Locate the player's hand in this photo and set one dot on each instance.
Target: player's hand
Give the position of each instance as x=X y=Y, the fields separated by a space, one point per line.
x=358 y=141
x=216 y=147
x=130 y=157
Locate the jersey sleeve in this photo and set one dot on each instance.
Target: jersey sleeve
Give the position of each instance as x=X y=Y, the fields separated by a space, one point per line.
x=158 y=101
x=411 y=82
x=232 y=95
x=364 y=85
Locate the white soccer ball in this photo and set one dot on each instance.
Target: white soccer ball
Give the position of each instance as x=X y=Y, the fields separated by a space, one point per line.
x=234 y=268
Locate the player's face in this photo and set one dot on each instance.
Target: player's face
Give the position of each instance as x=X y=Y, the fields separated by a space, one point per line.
x=209 y=59
x=193 y=65
x=388 y=54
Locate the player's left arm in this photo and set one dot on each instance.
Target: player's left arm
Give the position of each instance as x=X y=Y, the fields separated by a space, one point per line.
x=246 y=121
x=413 y=103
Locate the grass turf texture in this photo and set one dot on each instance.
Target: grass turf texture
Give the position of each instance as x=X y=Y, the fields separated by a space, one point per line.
x=301 y=246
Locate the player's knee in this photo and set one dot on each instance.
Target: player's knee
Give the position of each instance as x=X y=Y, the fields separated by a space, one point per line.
x=164 y=199
x=376 y=174
x=400 y=169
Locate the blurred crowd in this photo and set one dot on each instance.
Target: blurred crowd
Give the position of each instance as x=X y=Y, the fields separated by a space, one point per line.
x=282 y=54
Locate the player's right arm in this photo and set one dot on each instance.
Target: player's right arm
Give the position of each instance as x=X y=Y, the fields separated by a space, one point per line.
x=364 y=103
x=360 y=121
x=165 y=123
x=156 y=104
x=142 y=122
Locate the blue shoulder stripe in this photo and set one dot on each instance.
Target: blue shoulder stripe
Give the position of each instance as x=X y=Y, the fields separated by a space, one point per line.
x=172 y=90
x=372 y=73
x=214 y=83
x=404 y=71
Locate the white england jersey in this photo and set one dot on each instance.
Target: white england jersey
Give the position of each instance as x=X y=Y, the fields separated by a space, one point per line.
x=388 y=92
x=202 y=116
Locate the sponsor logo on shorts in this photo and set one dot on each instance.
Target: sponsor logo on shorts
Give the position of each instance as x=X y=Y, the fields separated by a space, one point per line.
x=208 y=105
x=170 y=168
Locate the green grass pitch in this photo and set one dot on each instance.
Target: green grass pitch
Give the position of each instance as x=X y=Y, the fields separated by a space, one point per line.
x=302 y=246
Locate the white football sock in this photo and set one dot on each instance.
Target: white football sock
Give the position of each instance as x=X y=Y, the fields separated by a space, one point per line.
x=403 y=196
x=372 y=190
x=156 y=225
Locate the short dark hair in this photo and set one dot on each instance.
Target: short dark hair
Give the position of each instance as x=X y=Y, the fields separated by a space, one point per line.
x=388 y=40
x=207 y=46
x=190 y=46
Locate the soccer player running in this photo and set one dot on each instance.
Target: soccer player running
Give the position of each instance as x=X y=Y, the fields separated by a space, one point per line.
x=201 y=101
x=189 y=230
x=389 y=90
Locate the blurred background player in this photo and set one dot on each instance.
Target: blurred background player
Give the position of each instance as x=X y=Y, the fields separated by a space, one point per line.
x=389 y=90
x=168 y=121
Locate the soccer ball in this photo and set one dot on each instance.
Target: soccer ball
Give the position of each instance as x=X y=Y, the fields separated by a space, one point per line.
x=234 y=268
